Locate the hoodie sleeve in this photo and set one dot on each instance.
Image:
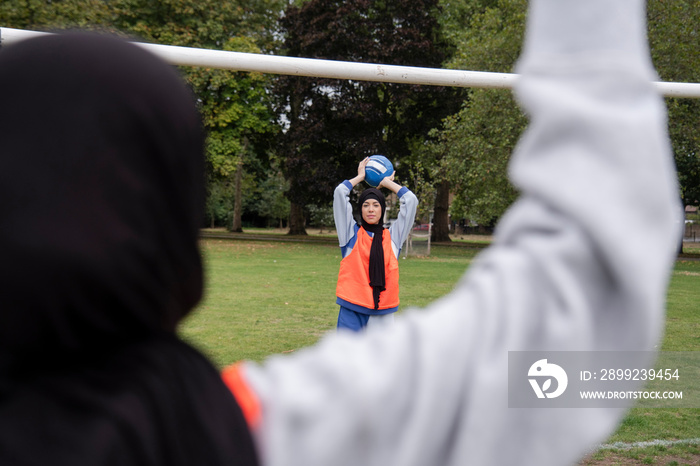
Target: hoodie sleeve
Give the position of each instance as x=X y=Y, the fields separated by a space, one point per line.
x=562 y=274
x=401 y=228
x=342 y=214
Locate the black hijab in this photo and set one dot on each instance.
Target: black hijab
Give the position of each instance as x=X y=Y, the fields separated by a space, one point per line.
x=101 y=197
x=376 y=254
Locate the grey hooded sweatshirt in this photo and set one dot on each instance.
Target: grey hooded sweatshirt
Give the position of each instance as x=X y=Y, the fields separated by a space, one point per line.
x=562 y=274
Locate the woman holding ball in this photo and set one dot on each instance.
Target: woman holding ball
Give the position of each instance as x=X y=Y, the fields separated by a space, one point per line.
x=368 y=281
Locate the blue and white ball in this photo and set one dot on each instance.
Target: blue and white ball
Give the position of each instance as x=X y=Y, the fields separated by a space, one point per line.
x=378 y=167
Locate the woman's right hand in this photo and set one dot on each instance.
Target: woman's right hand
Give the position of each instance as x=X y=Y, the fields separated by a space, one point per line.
x=360 y=173
x=361 y=168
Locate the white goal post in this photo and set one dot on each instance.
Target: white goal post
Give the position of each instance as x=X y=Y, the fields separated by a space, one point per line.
x=238 y=61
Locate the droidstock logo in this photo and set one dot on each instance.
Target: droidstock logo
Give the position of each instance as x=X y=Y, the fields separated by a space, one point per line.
x=542 y=373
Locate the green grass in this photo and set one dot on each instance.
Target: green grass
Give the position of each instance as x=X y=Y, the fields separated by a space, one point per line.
x=692 y=248
x=269 y=297
x=263 y=298
x=683 y=304
x=682 y=334
x=675 y=455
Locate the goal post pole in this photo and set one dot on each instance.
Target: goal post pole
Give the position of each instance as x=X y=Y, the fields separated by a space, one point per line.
x=333 y=69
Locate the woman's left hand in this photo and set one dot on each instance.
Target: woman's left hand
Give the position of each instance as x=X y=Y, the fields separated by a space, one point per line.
x=388 y=183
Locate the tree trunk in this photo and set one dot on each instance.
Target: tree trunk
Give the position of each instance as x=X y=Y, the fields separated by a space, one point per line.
x=237 y=226
x=441 y=214
x=297 y=221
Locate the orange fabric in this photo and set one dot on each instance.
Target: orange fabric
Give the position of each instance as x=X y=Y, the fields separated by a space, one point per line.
x=234 y=379
x=353 y=278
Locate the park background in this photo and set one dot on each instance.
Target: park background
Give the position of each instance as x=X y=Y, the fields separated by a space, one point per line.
x=278 y=145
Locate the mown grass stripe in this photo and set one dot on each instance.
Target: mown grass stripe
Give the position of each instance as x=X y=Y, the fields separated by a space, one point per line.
x=649 y=443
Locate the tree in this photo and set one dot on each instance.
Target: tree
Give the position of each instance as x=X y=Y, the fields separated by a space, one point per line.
x=430 y=182
x=58 y=14
x=273 y=204
x=477 y=141
x=198 y=23
x=239 y=120
x=235 y=106
x=482 y=136
x=673 y=35
x=333 y=124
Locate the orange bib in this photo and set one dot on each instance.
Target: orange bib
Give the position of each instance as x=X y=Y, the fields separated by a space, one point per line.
x=353 y=278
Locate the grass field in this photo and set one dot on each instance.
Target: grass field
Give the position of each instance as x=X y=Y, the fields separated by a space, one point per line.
x=268 y=297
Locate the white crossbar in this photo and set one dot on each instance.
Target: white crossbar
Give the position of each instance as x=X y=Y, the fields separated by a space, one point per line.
x=188 y=56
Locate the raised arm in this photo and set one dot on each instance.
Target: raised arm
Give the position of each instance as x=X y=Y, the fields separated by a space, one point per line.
x=342 y=208
x=408 y=204
x=562 y=274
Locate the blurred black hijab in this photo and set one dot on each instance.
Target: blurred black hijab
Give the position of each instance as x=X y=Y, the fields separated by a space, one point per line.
x=101 y=197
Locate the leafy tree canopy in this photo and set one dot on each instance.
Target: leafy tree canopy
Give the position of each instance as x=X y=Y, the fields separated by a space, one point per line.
x=674 y=35
x=478 y=140
x=481 y=137
x=60 y=14
x=333 y=124
x=235 y=106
